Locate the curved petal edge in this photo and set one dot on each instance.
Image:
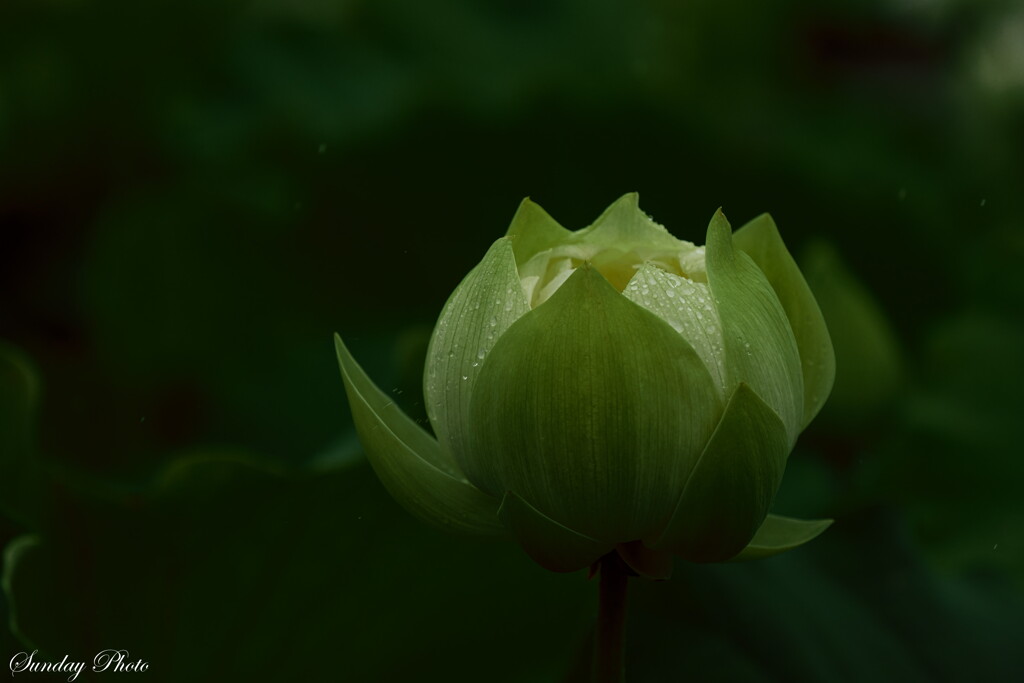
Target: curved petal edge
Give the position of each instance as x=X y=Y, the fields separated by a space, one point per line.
x=779 y=534
x=551 y=545
x=733 y=485
x=409 y=461
x=761 y=240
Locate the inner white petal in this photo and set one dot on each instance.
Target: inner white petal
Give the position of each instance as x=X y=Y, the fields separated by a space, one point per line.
x=689 y=308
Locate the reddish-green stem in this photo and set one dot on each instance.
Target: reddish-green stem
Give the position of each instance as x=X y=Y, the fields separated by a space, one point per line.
x=609 y=635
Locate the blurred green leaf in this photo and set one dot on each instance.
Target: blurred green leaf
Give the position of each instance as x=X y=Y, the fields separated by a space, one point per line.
x=227 y=571
x=19 y=392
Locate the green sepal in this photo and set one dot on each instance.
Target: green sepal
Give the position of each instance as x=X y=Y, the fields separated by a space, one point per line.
x=779 y=534
x=551 y=545
x=487 y=301
x=760 y=348
x=760 y=239
x=594 y=410
x=732 y=487
x=409 y=461
x=533 y=230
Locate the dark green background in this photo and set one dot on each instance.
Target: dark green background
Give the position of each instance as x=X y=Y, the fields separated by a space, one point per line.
x=195 y=195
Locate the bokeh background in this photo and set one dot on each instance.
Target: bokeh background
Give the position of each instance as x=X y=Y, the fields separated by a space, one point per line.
x=195 y=195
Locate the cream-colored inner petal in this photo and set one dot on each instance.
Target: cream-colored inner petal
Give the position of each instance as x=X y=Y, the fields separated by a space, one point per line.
x=690 y=310
x=545 y=272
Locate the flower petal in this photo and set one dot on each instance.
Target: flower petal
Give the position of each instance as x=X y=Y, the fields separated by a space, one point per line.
x=480 y=309
x=409 y=461
x=761 y=240
x=624 y=226
x=779 y=534
x=550 y=544
x=760 y=349
x=594 y=410
x=730 y=490
x=688 y=307
x=533 y=230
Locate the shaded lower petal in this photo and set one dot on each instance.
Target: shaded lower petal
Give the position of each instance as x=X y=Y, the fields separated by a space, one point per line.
x=551 y=545
x=732 y=487
x=409 y=461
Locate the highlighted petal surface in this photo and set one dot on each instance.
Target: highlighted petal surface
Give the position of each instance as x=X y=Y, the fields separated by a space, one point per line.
x=480 y=309
x=760 y=348
x=594 y=410
x=688 y=307
x=409 y=461
x=761 y=240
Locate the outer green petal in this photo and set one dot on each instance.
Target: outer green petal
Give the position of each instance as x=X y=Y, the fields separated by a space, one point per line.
x=533 y=230
x=550 y=544
x=594 y=410
x=480 y=309
x=761 y=240
x=732 y=487
x=686 y=306
x=760 y=348
x=623 y=226
x=409 y=462
x=779 y=534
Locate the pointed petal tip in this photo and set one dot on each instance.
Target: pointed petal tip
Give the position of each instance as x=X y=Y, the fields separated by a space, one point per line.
x=719 y=234
x=533 y=230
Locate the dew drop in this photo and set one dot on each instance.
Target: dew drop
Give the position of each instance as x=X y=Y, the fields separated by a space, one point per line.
x=481 y=353
x=494 y=321
x=465 y=377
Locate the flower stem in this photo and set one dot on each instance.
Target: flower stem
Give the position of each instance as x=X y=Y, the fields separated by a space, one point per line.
x=609 y=635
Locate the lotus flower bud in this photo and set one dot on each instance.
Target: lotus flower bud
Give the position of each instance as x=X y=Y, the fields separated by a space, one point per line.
x=613 y=388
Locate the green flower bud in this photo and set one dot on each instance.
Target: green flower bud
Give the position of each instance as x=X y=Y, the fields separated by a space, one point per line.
x=612 y=388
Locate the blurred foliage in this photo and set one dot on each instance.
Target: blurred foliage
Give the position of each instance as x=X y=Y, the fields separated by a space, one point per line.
x=195 y=195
